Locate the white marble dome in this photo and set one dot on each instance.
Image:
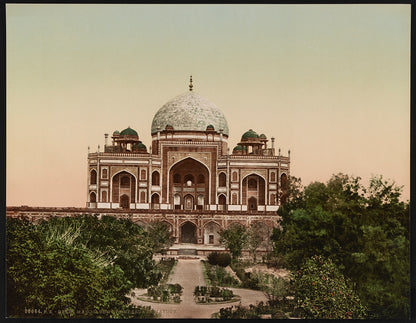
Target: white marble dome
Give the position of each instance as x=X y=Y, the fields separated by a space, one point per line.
x=189 y=112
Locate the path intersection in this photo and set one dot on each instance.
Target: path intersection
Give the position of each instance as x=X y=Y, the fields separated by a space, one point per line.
x=188 y=273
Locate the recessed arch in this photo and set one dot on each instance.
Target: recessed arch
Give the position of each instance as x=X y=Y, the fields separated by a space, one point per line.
x=93 y=177
x=222 y=179
x=124 y=170
x=188 y=176
x=188 y=201
x=188 y=232
x=124 y=201
x=93 y=197
x=252 y=204
x=155 y=178
x=121 y=185
x=211 y=233
x=185 y=158
x=155 y=198
x=272 y=176
x=284 y=182
x=256 y=190
x=253 y=173
x=104 y=196
x=234 y=199
x=235 y=176
x=222 y=202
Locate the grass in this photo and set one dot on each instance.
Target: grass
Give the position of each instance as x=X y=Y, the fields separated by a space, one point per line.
x=218 y=276
x=204 y=270
x=166 y=268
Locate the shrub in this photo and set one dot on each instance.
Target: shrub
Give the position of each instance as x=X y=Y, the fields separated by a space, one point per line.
x=227 y=294
x=251 y=312
x=322 y=292
x=220 y=259
x=213 y=292
x=175 y=288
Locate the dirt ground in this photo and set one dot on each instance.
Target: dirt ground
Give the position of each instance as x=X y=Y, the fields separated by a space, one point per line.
x=283 y=273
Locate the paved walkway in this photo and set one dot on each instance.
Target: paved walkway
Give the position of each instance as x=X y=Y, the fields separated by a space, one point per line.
x=188 y=273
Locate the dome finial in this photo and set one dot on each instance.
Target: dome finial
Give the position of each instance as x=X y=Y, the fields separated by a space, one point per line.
x=190 y=84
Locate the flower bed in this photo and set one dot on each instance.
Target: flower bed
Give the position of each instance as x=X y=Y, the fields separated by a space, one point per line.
x=169 y=293
x=214 y=294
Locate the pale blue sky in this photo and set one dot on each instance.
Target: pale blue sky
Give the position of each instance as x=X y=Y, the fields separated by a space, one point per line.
x=330 y=82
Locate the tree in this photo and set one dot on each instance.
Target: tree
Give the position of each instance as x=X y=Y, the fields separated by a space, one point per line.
x=365 y=231
x=234 y=238
x=257 y=235
x=159 y=236
x=52 y=274
x=322 y=292
x=119 y=239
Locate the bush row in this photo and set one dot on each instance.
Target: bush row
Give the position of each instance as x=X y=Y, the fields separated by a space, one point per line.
x=166 y=293
x=219 y=258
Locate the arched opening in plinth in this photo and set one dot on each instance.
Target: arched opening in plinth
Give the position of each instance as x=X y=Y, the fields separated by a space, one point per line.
x=212 y=233
x=188 y=233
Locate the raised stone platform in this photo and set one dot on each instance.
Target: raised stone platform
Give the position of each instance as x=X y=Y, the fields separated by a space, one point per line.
x=194 y=249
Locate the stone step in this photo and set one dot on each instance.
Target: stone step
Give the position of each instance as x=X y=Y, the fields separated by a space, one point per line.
x=187 y=252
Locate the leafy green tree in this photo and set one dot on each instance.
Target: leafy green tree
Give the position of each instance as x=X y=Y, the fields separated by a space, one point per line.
x=118 y=240
x=234 y=238
x=52 y=272
x=159 y=236
x=257 y=235
x=365 y=231
x=322 y=292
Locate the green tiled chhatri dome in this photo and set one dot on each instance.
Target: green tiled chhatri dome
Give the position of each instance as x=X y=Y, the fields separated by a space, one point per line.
x=139 y=145
x=189 y=112
x=128 y=132
x=250 y=134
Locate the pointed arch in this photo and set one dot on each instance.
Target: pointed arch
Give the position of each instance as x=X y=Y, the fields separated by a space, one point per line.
x=212 y=233
x=155 y=178
x=93 y=177
x=123 y=182
x=222 y=179
x=253 y=191
x=188 y=232
x=189 y=178
x=93 y=197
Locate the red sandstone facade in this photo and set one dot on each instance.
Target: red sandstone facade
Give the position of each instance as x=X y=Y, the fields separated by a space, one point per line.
x=188 y=178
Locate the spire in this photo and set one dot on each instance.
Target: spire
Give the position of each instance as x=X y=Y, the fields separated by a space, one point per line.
x=190 y=84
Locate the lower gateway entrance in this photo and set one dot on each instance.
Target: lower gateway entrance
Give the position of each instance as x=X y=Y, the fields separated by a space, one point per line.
x=188 y=233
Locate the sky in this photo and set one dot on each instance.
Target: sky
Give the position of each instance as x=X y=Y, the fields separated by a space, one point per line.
x=330 y=82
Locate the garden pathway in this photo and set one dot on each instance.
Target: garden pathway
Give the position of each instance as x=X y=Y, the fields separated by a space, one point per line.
x=188 y=273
